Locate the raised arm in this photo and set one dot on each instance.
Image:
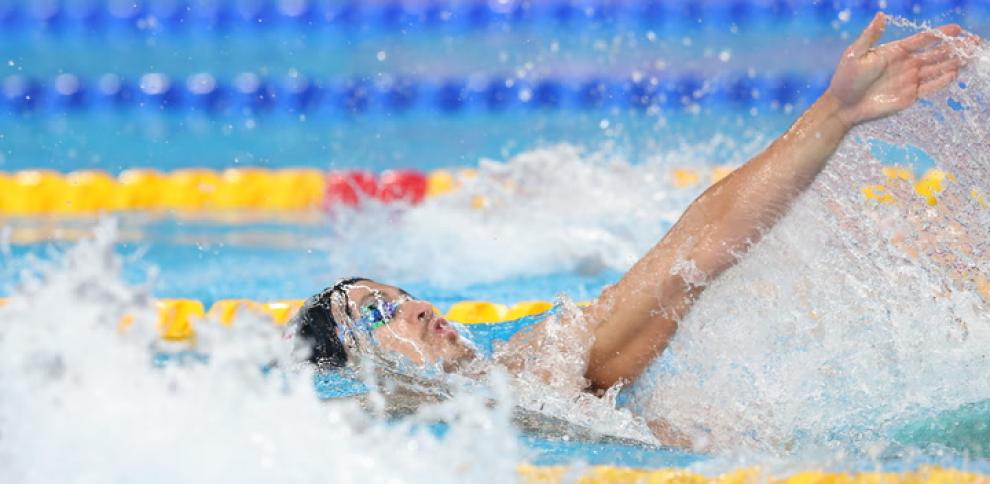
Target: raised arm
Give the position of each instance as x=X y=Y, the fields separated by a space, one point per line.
x=638 y=315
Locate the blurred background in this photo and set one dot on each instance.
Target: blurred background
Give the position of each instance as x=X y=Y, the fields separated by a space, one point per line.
x=496 y=151
x=216 y=83
x=113 y=85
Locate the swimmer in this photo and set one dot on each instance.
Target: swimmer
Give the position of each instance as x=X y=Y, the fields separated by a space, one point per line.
x=632 y=321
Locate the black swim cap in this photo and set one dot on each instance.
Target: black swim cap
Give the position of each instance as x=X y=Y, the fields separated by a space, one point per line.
x=315 y=323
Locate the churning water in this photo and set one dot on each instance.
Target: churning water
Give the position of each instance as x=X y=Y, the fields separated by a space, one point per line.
x=849 y=322
x=83 y=402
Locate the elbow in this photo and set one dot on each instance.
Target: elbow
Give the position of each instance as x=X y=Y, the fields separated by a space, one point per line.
x=600 y=379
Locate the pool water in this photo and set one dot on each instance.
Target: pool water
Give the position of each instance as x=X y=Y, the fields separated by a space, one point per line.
x=809 y=355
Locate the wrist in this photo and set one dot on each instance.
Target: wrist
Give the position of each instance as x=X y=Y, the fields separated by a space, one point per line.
x=834 y=109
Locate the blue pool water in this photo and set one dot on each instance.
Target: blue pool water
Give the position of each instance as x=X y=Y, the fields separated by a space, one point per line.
x=680 y=93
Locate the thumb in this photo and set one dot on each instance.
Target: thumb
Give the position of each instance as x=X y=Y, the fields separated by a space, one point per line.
x=870 y=35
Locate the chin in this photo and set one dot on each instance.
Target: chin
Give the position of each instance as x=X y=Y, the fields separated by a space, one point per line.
x=458 y=354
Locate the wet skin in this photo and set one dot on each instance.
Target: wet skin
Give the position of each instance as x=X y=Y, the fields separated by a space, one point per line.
x=415 y=330
x=634 y=319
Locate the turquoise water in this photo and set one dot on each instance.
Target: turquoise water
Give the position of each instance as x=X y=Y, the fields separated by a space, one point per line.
x=281 y=259
x=115 y=142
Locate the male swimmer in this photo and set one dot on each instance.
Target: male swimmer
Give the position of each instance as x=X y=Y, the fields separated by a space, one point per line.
x=634 y=319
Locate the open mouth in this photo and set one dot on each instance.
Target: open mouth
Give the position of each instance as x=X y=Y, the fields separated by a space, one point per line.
x=442 y=328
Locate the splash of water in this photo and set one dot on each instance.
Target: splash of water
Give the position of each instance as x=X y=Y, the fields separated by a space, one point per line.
x=81 y=401
x=850 y=319
x=550 y=210
x=547 y=382
x=550 y=381
x=846 y=321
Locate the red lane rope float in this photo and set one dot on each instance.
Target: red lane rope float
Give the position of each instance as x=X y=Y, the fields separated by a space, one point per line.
x=35 y=192
x=87 y=192
x=350 y=187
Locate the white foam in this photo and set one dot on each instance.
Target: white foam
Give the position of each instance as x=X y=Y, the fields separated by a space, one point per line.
x=827 y=336
x=550 y=210
x=850 y=318
x=80 y=402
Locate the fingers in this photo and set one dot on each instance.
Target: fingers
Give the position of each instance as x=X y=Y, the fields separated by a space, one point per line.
x=966 y=47
x=941 y=81
x=936 y=54
x=869 y=36
x=930 y=71
x=924 y=39
x=952 y=52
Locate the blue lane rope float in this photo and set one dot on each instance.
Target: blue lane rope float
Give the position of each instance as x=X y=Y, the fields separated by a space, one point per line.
x=250 y=94
x=407 y=15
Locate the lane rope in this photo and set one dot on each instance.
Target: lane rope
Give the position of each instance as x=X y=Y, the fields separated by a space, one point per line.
x=201 y=190
x=176 y=319
x=177 y=316
x=607 y=474
x=248 y=94
x=404 y=16
x=87 y=192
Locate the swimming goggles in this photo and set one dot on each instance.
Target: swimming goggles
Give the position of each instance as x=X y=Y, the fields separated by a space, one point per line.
x=378 y=313
x=373 y=315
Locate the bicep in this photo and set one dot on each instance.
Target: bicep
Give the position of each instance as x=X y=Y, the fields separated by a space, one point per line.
x=638 y=315
x=636 y=318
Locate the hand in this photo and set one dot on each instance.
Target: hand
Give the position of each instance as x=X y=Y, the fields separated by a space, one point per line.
x=871 y=83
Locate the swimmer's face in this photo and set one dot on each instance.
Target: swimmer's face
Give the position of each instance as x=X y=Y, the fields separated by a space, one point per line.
x=411 y=326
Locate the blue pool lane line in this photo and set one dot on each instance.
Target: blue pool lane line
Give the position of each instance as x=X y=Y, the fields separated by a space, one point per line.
x=247 y=93
x=407 y=15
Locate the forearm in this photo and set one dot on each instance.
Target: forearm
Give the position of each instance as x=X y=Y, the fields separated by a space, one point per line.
x=637 y=317
x=640 y=313
x=732 y=215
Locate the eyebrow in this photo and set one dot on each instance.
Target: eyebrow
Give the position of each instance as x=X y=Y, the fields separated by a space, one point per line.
x=364 y=299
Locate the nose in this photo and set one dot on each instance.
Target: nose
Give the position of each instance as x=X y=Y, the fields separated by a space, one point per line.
x=421 y=310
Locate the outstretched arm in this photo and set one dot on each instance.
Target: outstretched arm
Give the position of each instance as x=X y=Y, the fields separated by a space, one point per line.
x=638 y=315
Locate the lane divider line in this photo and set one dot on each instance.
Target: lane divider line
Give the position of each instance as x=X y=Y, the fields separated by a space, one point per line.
x=607 y=474
x=403 y=16
x=87 y=192
x=176 y=319
x=248 y=94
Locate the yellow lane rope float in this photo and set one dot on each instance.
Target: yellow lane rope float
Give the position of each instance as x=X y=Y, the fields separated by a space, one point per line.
x=34 y=192
x=176 y=318
x=927 y=187
x=603 y=474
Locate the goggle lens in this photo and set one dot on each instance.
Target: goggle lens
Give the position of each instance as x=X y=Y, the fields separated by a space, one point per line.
x=377 y=314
